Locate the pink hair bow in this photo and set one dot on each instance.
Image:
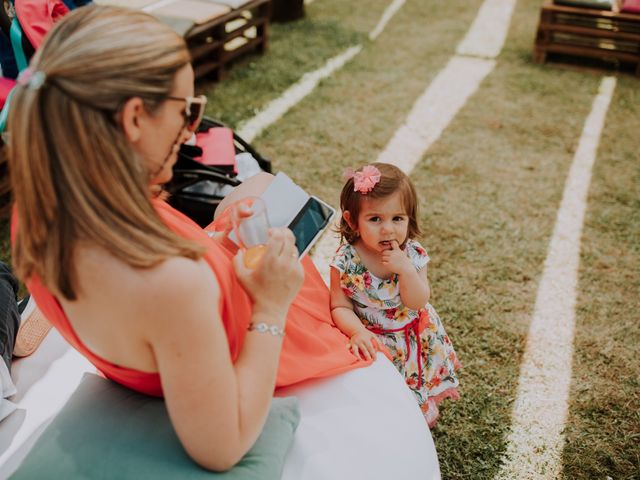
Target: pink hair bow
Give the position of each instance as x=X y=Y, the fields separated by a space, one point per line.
x=366 y=179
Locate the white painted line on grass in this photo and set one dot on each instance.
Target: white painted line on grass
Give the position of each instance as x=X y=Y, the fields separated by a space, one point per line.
x=387 y=15
x=275 y=109
x=430 y=115
x=438 y=105
x=281 y=105
x=540 y=410
x=434 y=110
x=483 y=39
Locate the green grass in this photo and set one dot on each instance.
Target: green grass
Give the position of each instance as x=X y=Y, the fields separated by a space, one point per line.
x=295 y=48
x=490 y=188
x=603 y=431
x=259 y=79
x=353 y=114
x=493 y=183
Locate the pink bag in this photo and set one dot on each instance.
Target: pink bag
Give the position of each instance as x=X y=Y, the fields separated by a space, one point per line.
x=218 y=148
x=6 y=84
x=37 y=17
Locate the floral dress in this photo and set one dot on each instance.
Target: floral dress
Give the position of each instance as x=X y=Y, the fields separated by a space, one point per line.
x=429 y=366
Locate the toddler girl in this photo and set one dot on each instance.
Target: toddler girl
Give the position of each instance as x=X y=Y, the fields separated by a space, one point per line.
x=379 y=286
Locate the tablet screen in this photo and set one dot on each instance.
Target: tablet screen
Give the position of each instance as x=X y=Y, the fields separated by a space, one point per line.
x=310 y=221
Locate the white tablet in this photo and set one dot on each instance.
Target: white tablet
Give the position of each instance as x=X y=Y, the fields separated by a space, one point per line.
x=288 y=205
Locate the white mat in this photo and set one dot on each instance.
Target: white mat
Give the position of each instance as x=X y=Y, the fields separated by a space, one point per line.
x=362 y=424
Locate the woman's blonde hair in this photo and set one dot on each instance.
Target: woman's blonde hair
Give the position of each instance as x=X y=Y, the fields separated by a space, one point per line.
x=74 y=175
x=392 y=180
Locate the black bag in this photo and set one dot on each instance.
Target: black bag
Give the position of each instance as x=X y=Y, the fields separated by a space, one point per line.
x=197 y=189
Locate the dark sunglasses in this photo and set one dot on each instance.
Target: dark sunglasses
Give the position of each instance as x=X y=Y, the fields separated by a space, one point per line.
x=193 y=110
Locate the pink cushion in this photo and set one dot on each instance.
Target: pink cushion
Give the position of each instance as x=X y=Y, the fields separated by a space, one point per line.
x=38 y=16
x=6 y=84
x=631 y=6
x=217 y=146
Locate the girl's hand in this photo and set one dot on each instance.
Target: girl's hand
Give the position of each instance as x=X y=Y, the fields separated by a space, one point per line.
x=396 y=259
x=278 y=276
x=363 y=343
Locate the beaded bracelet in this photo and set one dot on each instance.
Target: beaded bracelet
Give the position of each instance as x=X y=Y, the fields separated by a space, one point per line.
x=266 y=328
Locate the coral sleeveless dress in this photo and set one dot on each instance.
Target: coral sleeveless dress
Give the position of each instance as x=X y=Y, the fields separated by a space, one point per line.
x=313 y=347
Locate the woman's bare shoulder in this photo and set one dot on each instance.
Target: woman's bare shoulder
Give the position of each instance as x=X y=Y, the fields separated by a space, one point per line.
x=122 y=312
x=143 y=290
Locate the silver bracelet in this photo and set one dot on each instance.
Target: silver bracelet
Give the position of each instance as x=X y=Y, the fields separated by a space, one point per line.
x=262 y=327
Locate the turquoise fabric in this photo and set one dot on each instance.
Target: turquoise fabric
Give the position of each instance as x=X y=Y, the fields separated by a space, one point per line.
x=106 y=431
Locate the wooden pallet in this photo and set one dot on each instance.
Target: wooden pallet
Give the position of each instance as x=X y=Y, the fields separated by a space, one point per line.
x=584 y=32
x=216 y=32
x=214 y=45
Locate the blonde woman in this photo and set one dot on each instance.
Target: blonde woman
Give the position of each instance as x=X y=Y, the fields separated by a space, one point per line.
x=145 y=294
x=95 y=124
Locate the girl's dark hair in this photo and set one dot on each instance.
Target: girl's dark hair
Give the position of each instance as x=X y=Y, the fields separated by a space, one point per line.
x=392 y=180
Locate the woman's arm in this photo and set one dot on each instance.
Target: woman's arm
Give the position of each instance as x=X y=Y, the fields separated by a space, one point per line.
x=218 y=408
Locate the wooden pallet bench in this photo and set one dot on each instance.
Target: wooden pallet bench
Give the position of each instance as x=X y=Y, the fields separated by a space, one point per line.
x=216 y=31
x=586 y=32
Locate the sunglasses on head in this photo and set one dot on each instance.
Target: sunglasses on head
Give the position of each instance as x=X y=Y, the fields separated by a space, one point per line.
x=193 y=110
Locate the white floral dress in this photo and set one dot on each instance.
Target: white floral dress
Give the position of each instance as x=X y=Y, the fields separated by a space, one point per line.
x=429 y=370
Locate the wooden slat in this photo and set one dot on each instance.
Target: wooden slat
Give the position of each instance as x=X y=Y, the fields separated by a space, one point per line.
x=592 y=52
x=206 y=42
x=590 y=32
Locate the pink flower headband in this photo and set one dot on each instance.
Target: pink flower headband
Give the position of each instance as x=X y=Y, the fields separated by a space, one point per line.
x=364 y=180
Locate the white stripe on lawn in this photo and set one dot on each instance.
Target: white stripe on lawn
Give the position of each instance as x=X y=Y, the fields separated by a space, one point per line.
x=482 y=39
x=540 y=410
x=434 y=110
x=275 y=109
x=294 y=94
x=436 y=107
x=386 y=16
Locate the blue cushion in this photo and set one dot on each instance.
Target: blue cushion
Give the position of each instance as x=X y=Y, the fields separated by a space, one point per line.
x=107 y=431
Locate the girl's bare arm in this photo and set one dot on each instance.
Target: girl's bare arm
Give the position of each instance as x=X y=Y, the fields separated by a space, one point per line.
x=414 y=288
x=342 y=308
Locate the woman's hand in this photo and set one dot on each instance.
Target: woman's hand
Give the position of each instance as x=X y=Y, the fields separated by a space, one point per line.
x=363 y=343
x=278 y=276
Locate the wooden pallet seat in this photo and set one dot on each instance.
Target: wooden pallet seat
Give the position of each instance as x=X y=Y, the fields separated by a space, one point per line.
x=216 y=31
x=580 y=31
